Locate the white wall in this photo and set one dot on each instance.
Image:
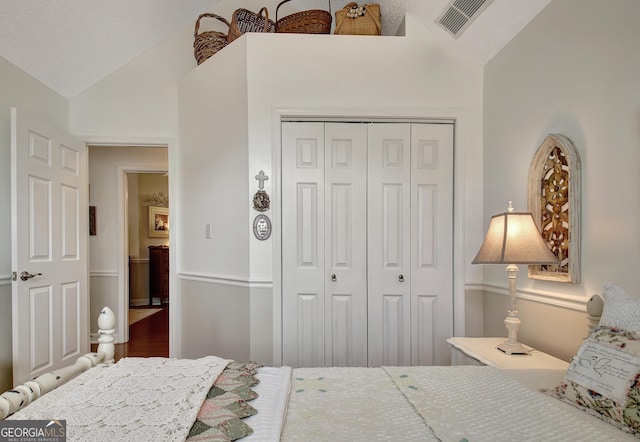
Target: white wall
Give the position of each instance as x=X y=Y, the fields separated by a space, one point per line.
x=140 y=99
x=106 y=168
x=574 y=71
x=214 y=273
x=415 y=76
x=139 y=104
x=419 y=75
x=20 y=90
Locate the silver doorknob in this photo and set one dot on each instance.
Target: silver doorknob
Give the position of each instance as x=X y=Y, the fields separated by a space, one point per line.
x=333 y=277
x=26 y=275
x=401 y=278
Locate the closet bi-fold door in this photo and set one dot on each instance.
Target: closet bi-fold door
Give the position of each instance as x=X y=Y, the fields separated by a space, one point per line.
x=324 y=244
x=389 y=284
x=410 y=243
x=431 y=243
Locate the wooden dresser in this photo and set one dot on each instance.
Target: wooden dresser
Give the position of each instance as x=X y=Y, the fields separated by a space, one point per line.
x=159 y=274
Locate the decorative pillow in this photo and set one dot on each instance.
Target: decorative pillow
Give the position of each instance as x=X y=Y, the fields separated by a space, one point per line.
x=620 y=310
x=603 y=378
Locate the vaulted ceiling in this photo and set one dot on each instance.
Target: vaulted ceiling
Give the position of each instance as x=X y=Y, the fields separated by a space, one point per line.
x=69 y=45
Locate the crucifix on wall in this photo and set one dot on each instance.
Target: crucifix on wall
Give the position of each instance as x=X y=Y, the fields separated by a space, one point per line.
x=261 y=199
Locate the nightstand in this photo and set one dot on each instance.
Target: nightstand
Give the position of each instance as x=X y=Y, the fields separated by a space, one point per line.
x=483 y=351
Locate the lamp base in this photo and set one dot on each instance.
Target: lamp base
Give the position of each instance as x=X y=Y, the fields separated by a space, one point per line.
x=511 y=349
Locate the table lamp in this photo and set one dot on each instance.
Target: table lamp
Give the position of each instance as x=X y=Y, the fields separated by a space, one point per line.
x=513 y=238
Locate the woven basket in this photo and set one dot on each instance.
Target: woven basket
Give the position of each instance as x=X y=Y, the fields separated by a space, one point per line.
x=313 y=21
x=244 y=21
x=208 y=43
x=366 y=24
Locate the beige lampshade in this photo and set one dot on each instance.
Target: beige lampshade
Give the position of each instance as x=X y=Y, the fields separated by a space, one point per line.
x=513 y=238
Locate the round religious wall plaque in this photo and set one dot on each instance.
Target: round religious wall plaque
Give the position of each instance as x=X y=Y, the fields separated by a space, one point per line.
x=262 y=227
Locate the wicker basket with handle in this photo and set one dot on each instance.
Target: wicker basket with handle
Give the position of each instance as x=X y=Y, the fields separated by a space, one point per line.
x=244 y=21
x=358 y=20
x=208 y=43
x=313 y=21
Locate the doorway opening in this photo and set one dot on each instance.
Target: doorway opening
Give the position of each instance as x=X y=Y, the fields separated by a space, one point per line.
x=132 y=220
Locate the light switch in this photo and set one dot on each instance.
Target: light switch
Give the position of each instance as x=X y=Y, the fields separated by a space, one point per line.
x=207 y=231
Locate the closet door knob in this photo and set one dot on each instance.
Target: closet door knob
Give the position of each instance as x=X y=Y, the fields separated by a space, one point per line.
x=333 y=277
x=401 y=278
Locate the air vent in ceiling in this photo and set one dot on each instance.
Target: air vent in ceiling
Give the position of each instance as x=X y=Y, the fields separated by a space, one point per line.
x=459 y=14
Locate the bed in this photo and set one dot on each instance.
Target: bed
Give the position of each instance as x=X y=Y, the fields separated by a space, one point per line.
x=216 y=399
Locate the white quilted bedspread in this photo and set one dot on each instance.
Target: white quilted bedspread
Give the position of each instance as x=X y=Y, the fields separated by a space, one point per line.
x=483 y=404
x=137 y=399
x=349 y=404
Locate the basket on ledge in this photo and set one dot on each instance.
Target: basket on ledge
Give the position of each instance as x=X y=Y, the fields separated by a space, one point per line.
x=208 y=43
x=313 y=21
x=244 y=21
x=356 y=19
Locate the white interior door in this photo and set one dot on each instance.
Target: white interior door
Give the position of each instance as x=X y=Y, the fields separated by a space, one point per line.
x=49 y=222
x=303 y=274
x=389 y=180
x=431 y=243
x=345 y=244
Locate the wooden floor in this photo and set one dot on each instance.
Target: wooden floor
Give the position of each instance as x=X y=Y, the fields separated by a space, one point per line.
x=148 y=337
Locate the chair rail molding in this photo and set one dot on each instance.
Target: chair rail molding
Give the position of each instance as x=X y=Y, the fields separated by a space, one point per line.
x=572 y=302
x=234 y=281
x=103 y=273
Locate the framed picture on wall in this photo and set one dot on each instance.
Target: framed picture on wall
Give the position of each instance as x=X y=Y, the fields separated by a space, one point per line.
x=92 y=220
x=158 y=222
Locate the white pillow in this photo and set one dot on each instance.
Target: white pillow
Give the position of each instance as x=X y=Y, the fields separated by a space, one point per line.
x=620 y=310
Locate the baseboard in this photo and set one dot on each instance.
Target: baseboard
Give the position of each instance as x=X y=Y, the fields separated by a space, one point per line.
x=138 y=302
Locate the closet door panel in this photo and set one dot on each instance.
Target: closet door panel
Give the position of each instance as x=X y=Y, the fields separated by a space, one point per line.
x=307 y=234
x=388 y=211
x=341 y=342
x=426 y=338
x=394 y=335
x=345 y=246
x=308 y=347
x=303 y=275
x=426 y=213
x=392 y=225
x=432 y=242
